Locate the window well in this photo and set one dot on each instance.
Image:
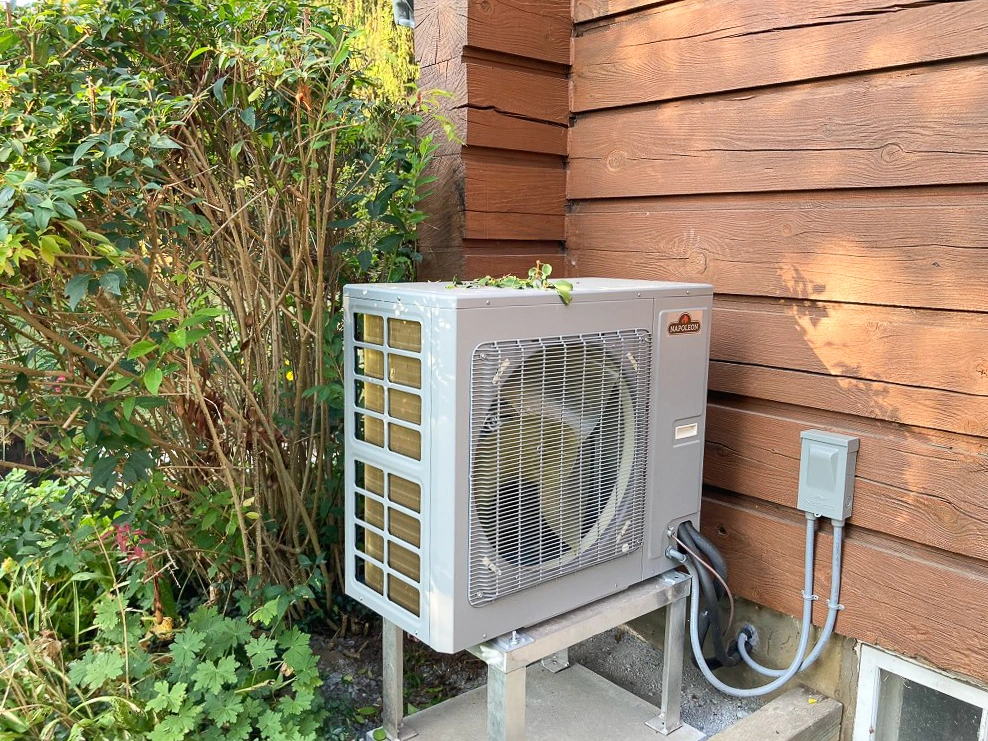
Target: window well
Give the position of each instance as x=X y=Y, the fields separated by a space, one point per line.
x=899 y=700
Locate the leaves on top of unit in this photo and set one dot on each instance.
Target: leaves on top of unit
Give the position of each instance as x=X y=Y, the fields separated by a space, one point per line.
x=538 y=278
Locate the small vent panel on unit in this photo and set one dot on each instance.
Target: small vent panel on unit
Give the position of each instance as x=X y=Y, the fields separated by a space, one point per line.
x=388 y=506
x=559 y=427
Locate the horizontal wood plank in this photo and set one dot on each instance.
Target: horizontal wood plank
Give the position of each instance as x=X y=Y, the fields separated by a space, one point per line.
x=586 y=10
x=920 y=126
x=907 y=405
x=690 y=48
x=908 y=483
x=480 y=261
x=503 y=183
x=897 y=595
x=925 y=249
x=537 y=29
x=928 y=349
x=509 y=225
x=495 y=130
x=538 y=95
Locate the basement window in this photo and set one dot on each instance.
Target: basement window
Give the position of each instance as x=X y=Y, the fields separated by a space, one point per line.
x=899 y=700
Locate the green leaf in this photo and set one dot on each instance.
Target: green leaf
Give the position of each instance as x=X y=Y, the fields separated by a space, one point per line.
x=163 y=314
x=102 y=668
x=267 y=613
x=380 y=735
x=261 y=651
x=127 y=407
x=160 y=141
x=110 y=283
x=297 y=649
x=76 y=288
x=178 y=337
x=223 y=709
x=152 y=380
x=168 y=698
x=203 y=315
x=211 y=677
x=142 y=348
x=120 y=384
x=248 y=117
x=367 y=711
x=104 y=473
x=197 y=53
x=564 y=288
x=186 y=647
x=82 y=149
x=218 y=90
x=49 y=248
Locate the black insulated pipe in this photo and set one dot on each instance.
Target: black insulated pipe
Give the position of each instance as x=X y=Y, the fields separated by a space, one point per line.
x=711 y=600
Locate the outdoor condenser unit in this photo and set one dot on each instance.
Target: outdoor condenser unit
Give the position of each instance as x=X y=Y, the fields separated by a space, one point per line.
x=509 y=457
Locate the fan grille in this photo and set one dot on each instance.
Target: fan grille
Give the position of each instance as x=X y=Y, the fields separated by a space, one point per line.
x=557 y=457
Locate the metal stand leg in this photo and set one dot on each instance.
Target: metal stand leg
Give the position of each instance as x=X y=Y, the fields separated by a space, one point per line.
x=393 y=681
x=672 y=670
x=505 y=704
x=557 y=661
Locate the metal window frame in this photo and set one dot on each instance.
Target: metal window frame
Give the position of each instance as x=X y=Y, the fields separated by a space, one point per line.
x=874 y=661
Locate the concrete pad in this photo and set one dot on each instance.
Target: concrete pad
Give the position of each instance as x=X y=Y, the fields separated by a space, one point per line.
x=572 y=705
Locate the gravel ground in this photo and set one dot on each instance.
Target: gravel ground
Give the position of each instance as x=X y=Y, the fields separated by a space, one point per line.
x=352 y=668
x=628 y=661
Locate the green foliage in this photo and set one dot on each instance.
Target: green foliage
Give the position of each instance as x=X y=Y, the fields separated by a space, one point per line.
x=388 y=47
x=187 y=188
x=128 y=673
x=538 y=278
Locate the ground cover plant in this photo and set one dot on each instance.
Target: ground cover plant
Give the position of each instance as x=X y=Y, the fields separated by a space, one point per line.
x=186 y=188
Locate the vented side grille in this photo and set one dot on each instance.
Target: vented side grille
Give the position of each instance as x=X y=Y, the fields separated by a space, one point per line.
x=557 y=457
x=387 y=506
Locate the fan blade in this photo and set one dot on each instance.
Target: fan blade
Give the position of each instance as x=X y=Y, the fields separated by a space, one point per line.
x=567 y=383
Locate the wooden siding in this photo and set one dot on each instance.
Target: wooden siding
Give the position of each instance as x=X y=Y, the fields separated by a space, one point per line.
x=499 y=197
x=825 y=165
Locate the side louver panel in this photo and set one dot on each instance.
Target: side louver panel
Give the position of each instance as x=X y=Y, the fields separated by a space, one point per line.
x=385 y=489
x=559 y=430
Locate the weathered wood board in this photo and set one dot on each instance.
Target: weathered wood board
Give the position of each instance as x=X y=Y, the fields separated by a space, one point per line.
x=908 y=127
x=919 y=247
x=684 y=49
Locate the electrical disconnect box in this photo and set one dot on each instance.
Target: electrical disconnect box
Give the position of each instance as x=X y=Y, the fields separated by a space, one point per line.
x=826 y=473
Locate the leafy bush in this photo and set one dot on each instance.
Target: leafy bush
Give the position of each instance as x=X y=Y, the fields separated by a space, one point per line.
x=87 y=651
x=188 y=186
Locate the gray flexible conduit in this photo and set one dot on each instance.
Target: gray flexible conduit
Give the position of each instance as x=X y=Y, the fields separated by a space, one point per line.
x=804 y=636
x=833 y=604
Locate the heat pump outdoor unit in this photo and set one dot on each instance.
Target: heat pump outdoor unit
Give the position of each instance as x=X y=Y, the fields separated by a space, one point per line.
x=509 y=457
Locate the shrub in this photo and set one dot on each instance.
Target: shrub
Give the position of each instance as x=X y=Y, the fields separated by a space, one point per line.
x=188 y=186
x=87 y=651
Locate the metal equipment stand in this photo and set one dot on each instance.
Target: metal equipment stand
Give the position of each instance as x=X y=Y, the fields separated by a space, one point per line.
x=508 y=657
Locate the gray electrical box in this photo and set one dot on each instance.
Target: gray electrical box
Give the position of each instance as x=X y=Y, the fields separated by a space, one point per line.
x=826 y=473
